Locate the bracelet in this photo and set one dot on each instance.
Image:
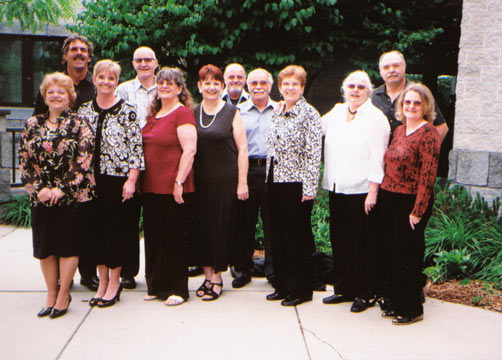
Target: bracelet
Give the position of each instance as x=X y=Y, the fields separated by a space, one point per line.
x=178 y=182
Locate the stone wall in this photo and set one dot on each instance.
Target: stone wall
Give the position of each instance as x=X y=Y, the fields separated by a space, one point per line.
x=5 y=157
x=476 y=158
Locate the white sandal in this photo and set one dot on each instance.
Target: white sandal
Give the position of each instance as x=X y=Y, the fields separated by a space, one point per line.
x=174 y=300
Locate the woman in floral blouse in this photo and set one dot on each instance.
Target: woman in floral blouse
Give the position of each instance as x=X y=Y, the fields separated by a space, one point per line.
x=118 y=159
x=406 y=198
x=55 y=160
x=294 y=156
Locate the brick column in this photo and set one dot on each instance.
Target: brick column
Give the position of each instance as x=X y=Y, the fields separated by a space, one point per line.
x=476 y=158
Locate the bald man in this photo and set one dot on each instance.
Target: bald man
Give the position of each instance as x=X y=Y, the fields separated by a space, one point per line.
x=141 y=90
x=235 y=79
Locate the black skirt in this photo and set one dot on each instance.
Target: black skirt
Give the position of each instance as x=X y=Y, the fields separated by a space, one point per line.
x=117 y=222
x=55 y=231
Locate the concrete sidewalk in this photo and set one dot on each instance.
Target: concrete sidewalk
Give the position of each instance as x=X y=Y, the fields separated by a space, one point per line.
x=240 y=325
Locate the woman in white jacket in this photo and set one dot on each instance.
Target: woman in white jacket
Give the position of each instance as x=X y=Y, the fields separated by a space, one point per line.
x=357 y=135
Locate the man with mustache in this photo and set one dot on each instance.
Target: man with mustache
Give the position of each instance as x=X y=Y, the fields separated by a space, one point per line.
x=235 y=79
x=77 y=54
x=140 y=92
x=392 y=69
x=257 y=114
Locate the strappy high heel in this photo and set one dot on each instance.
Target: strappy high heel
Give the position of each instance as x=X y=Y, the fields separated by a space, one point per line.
x=202 y=290
x=213 y=295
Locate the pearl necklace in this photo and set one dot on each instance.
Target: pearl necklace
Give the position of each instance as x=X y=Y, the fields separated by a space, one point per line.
x=211 y=122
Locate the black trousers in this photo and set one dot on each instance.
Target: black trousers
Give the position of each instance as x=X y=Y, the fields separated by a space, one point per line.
x=292 y=239
x=166 y=245
x=405 y=250
x=247 y=219
x=353 y=241
x=130 y=268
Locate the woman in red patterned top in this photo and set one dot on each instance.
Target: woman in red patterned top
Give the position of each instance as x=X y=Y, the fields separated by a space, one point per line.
x=170 y=141
x=407 y=198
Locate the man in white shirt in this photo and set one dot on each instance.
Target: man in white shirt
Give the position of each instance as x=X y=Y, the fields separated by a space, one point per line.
x=257 y=115
x=141 y=90
x=235 y=79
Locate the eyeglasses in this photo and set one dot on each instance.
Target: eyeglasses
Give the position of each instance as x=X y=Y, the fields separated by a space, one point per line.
x=409 y=102
x=353 y=86
x=146 y=60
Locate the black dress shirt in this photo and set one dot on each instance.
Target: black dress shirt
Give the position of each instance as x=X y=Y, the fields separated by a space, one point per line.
x=85 y=92
x=381 y=100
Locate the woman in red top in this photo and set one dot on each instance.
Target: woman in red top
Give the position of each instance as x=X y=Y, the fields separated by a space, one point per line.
x=407 y=198
x=169 y=140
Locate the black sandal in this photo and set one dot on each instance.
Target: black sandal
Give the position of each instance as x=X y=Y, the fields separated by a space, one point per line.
x=204 y=288
x=211 y=293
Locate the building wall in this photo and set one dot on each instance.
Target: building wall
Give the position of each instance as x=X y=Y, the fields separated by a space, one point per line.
x=476 y=158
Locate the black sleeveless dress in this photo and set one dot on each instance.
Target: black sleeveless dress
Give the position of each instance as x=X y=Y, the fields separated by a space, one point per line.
x=216 y=178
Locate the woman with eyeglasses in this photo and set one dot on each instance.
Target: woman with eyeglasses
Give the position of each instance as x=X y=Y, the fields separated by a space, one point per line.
x=357 y=134
x=406 y=200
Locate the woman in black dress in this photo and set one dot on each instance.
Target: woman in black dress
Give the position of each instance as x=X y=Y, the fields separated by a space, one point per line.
x=118 y=158
x=55 y=157
x=220 y=169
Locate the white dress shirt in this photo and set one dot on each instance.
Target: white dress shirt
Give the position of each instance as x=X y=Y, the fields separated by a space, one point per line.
x=354 y=150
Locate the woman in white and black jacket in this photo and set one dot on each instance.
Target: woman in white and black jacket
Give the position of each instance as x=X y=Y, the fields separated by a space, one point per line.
x=293 y=161
x=118 y=159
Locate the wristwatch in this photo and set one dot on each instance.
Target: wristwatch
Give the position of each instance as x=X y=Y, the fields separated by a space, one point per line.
x=178 y=182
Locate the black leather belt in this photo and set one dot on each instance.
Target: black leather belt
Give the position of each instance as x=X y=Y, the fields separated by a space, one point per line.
x=258 y=161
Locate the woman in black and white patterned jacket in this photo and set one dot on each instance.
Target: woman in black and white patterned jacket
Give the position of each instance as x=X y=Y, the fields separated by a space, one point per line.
x=118 y=159
x=293 y=161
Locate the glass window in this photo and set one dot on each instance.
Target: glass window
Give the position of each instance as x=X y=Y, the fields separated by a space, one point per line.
x=11 y=83
x=24 y=60
x=46 y=59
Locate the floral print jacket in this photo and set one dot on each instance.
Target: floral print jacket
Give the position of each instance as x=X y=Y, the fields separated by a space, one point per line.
x=61 y=158
x=295 y=144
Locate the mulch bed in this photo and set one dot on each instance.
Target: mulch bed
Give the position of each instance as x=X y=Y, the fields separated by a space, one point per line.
x=453 y=291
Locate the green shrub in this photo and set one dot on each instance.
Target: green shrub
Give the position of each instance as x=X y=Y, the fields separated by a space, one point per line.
x=463 y=237
x=320 y=223
x=17 y=211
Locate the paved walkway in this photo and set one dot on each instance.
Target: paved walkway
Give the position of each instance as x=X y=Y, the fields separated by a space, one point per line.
x=240 y=325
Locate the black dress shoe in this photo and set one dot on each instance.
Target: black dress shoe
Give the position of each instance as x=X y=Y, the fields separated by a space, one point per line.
x=195 y=271
x=407 y=320
x=337 y=299
x=128 y=283
x=91 y=282
x=291 y=301
x=45 y=311
x=276 y=295
x=388 y=314
x=55 y=313
x=359 y=305
x=240 y=282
